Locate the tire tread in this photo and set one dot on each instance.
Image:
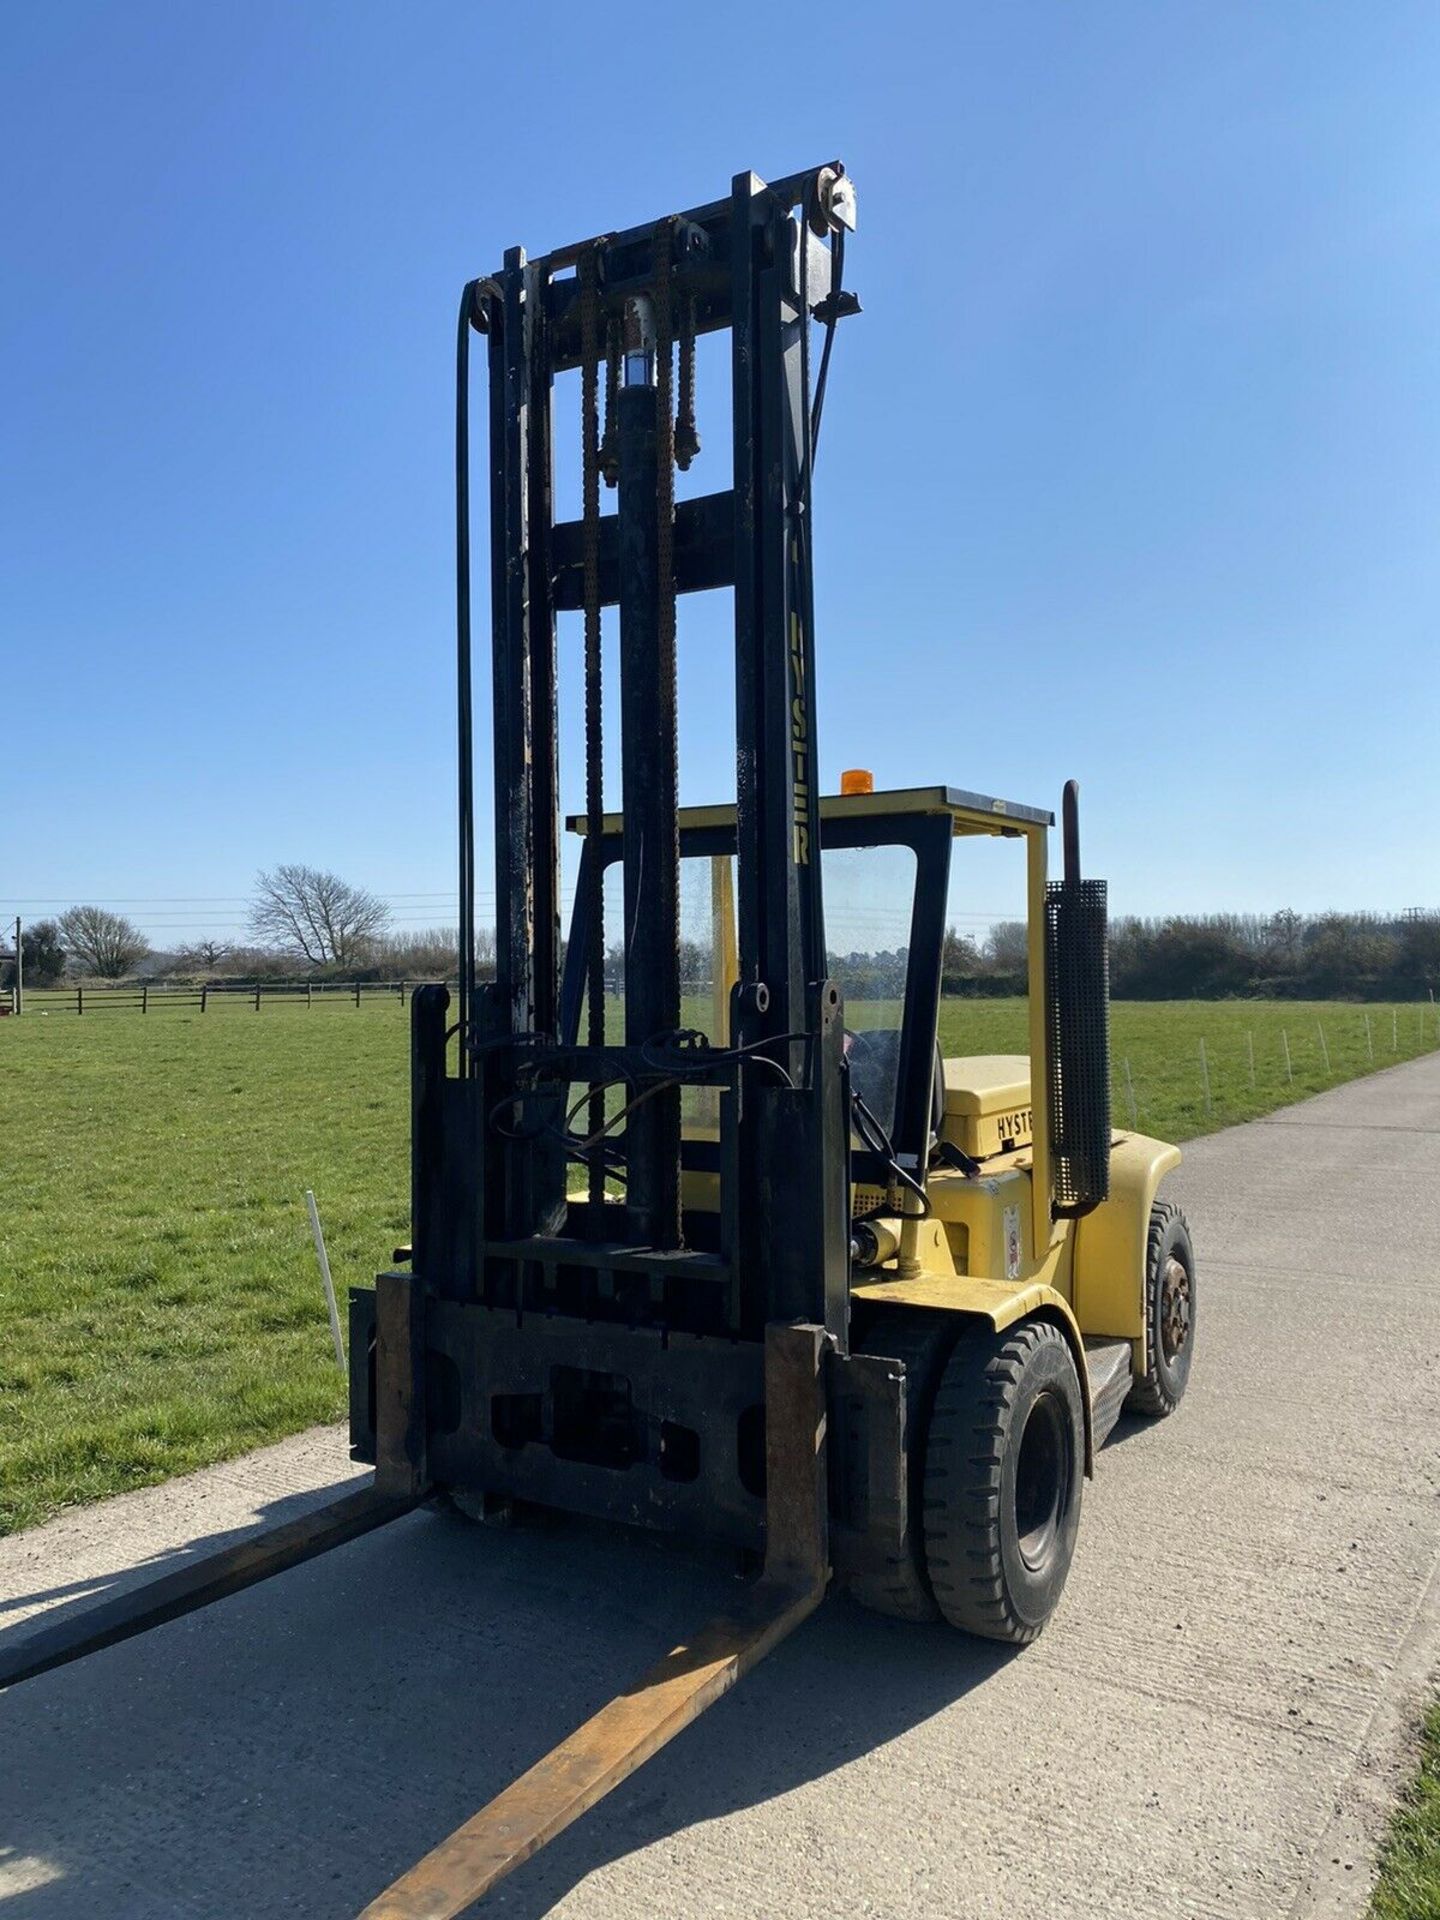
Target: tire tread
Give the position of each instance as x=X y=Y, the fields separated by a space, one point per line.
x=962 y=1522
x=1151 y=1394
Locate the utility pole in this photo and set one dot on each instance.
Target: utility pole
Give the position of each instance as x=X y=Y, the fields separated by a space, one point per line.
x=19 y=969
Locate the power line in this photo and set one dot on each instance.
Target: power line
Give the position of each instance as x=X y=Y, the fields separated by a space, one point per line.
x=188 y=899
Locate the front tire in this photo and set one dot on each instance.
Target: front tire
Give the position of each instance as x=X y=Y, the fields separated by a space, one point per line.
x=1169 y=1314
x=1004 y=1467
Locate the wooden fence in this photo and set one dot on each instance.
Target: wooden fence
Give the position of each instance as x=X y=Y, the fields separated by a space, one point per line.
x=93 y=997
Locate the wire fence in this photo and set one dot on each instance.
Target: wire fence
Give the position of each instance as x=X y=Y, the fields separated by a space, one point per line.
x=1236 y=1071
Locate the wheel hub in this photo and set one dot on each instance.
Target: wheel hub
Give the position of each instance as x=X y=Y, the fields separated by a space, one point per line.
x=1175 y=1307
x=1042 y=1481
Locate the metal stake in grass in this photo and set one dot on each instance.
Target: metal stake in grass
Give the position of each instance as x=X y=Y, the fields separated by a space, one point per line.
x=326 y=1281
x=1324 y=1050
x=1205 y=1075
x=1369 y=1041
x=1285 y=1043
x=1250 y=1050
x=1394 y=1029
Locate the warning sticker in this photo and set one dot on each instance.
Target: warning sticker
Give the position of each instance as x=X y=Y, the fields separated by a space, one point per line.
x=1012 y=1243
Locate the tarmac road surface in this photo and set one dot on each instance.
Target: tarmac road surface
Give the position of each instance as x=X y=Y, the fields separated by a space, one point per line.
x=1213 y=1725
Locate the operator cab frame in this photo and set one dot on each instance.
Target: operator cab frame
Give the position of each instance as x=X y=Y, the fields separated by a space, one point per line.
x=927 y=821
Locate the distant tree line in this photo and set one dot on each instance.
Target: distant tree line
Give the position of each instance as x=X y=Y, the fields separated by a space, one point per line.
x=302 y=921
x=426 y=954
x=1284 y=955
x=309 y=922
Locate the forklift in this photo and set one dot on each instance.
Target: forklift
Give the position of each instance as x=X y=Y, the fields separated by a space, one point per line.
x=707 y=1236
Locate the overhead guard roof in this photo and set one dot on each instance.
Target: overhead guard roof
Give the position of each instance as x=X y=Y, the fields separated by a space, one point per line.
x=971 y=812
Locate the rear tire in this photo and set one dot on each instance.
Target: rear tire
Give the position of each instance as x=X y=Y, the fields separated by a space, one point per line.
x=1004 y=1466
x=1169 y=1314
x=922 y=1343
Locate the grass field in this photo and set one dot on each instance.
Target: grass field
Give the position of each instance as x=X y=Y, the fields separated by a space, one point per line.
x=158 y=1291
x=1409 y=1884
x=158 y=1294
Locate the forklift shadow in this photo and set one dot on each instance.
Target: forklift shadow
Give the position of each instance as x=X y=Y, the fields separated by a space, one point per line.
x=845 y=1684
x=87 y=1591
x=366 y=1703
x=1130 y=1426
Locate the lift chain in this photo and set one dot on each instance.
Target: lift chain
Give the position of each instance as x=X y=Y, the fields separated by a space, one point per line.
x=665 y=479
x=609 y=440
x=687 y=436
x=591 y=456
x=666 y=688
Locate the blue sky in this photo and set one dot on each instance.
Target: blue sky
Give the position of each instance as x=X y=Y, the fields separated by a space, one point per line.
x=1130 y=470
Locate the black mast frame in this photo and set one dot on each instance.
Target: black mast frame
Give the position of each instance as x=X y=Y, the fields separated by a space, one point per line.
x=493 y=1221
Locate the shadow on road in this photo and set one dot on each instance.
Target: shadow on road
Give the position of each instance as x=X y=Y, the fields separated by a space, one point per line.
x=293 y=1748
x=105 y=1586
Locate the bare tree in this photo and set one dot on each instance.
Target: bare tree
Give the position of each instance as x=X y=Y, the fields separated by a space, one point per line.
x=104 y=943
x=484 y=953
x=959 y=956
x=203 y=956
x=429 y=953
x=317 y=916
x=1008 y=947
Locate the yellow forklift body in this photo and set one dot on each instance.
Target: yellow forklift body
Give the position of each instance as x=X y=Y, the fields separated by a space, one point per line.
x=987 y=1103
x=1110 y=1243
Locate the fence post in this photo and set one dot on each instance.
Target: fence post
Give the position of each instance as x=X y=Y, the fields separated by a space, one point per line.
x=204 y=995
x=1205 y=1075
x=1324 y=1050
x=309 y=992
x=402 y=995
x=79 y=1000
x=1369 y=1039
x=145 y=997
x=1250 y=1049
x=257 y=996
x=325 y=1279
x=1285 y=1043
x=1394 y=1029
x=357 y=993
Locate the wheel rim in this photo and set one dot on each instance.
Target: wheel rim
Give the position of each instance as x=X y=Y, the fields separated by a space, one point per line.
x=1042 y=1480
x=1176 y=1308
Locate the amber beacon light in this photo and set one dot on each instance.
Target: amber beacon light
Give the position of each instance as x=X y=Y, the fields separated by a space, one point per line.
x=857 y=780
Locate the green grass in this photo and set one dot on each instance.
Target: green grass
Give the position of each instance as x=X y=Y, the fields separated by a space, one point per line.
x=1161 y=1040
x=1408 y=1887
x=159 y=1298
x=158 y=1294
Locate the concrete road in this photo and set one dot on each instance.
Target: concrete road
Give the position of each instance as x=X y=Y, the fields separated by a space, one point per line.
x=1212 y=1726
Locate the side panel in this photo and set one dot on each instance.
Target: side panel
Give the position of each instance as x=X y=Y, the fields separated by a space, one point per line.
x=991 y=1225
x=1109 y=1289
